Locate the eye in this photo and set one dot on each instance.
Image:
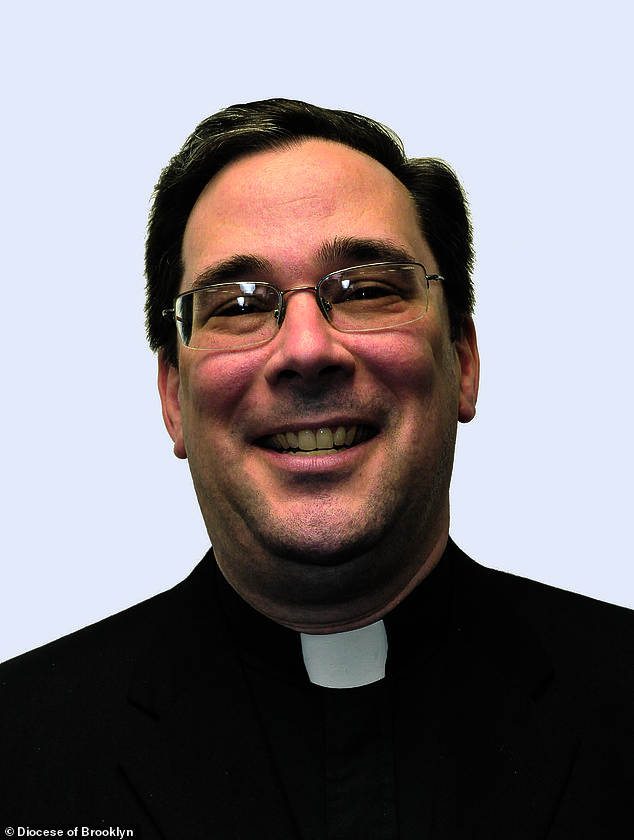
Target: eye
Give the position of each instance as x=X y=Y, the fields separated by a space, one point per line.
x=367 y=290
x=232 y=301
x=241 y=305
x=372 y=286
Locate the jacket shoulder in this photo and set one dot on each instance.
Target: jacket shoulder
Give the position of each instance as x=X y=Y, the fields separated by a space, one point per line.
x=98 y=660
x=590 y=643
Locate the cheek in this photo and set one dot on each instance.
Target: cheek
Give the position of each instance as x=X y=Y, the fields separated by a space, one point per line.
x=212 y=387
x=408 y=361
x=419 y=369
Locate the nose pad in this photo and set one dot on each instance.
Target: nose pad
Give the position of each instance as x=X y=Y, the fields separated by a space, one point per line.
x=324 y=307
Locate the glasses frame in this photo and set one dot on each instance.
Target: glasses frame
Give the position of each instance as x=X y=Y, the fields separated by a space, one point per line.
x=279 y=313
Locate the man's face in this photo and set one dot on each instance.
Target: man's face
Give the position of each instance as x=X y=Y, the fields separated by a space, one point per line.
x=299 y=536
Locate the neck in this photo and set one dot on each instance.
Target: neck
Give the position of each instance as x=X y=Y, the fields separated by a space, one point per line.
x=333 y=599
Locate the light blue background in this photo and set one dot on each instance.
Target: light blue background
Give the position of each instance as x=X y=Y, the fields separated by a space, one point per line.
x=531 y=103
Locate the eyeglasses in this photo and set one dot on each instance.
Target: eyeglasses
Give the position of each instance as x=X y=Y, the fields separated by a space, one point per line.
x=363 y=298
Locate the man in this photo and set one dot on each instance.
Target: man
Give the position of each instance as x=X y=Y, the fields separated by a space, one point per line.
x=335 y=667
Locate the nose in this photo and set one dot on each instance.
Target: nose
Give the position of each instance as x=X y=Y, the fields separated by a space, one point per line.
x=306 y=346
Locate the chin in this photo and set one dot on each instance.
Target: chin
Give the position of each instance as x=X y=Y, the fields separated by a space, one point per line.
x=323 y=542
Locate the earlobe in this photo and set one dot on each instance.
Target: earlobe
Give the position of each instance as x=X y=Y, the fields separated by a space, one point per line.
x=169 y=385
x=469 y=360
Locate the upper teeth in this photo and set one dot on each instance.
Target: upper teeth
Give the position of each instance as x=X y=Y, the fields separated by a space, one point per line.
x=308 y=440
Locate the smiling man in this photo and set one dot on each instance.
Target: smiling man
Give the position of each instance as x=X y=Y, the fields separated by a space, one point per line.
x=335 y=667
x=320 y=539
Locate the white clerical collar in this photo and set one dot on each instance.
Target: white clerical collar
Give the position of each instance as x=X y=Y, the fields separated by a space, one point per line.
x=346 y=660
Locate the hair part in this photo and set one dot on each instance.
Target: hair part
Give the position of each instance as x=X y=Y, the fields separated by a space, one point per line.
x=242 y=130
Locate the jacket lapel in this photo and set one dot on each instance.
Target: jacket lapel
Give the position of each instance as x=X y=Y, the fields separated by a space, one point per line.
x=196 y=753
x=505 y=755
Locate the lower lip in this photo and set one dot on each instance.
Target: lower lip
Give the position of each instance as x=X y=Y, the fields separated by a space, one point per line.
x=318 y=463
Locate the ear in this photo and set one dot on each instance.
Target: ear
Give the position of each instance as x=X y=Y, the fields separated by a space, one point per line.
x=466 y=347
x=169 y=387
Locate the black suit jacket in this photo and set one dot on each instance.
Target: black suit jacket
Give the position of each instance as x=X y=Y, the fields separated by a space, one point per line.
x=146 y=718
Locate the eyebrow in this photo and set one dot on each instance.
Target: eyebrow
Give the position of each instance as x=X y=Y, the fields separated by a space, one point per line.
x=360 y=250
x=330 y=256
x=233 y=270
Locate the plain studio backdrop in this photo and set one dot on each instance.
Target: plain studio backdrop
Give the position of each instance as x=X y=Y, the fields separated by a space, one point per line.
x=530 y=103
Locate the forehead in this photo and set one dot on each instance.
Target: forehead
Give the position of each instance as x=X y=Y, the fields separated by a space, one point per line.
x=284 y=205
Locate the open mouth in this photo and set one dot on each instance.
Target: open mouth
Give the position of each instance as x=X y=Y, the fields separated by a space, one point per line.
x=322 y=441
